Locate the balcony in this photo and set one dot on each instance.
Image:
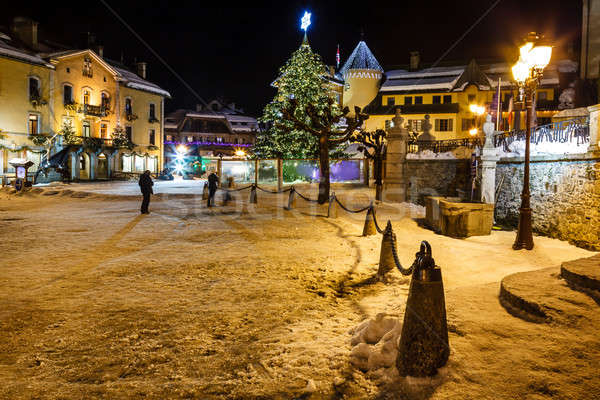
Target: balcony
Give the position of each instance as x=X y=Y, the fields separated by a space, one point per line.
x=95 y=111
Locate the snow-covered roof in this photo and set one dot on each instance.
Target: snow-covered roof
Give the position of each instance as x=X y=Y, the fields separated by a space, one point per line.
x=135 y=82
x=9 y=51
x=361 y=58
x=440 y=82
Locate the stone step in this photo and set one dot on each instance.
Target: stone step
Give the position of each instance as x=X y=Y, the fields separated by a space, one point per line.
x=543 y=296
x=584 y=275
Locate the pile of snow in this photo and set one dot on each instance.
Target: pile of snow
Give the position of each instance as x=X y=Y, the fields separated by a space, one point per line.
x=458 y=153
x=375 y=345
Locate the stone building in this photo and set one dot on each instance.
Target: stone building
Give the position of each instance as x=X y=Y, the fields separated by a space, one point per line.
x=44 y=87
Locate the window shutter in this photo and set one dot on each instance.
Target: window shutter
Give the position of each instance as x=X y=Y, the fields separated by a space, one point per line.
x=437 y=125
x=450 y=121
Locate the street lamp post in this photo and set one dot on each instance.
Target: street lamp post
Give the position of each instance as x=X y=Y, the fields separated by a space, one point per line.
x=528 y=72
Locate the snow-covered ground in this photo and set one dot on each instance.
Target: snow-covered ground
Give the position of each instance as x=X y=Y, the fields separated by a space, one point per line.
x=244 y=301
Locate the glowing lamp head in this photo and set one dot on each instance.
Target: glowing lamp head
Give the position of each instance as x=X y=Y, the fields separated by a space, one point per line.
x=305 y=21
x=181 y=149
x=520 y=71
x=240 y=153
x=473 y=131
x=476 y=109
x=539 y=56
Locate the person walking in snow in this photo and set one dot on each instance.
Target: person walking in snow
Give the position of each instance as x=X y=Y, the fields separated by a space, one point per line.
x=213 y=181
x=146 y=189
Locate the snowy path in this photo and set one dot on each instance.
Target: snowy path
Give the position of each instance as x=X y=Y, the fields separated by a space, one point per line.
x=97 y=301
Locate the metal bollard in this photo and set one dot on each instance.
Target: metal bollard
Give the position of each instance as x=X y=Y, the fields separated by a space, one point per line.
x=424 y=344
x=227 y=197
x=332 y=210
x=291 y=199
x=386 y=255
x=253 y=199
x=369 y=227
x=205 y=191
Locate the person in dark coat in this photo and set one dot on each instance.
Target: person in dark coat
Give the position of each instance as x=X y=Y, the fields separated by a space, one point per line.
x=146 y=189
x=213 y=182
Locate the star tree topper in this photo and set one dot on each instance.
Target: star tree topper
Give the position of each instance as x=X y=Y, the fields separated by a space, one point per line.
x=305 y=22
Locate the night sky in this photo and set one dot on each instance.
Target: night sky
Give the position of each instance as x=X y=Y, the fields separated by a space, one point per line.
x=236 y=52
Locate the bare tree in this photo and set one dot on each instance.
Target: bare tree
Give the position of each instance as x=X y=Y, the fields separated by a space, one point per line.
x=323 y=125
x=373 y=146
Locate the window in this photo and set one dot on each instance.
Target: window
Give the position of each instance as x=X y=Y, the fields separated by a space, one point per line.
x=418 y=99
x=447 y=98
x=471 y=98
x=235 y=141
x=443 y=125
x=437 y=100
x=86 y=129
x=219 y=139
x=104 y=131
x=542 y=95
x=35 y=158
x=151 y=164
x=126 y=163
x=507 y=97
x=189 y=139
x=169 y=138
x=414 y=125
x=128 y=109
x=82 y=162
x=129 y=133
x=152 y=137
x=391 y=101
x=67 y=94
x=140 y=162
x=86 y=97
x=34 y=124
x=151 y=112
x=68 y=70
x=408 y=100
x=105 y=101
x=215 y=107
x=34 y=88
x=468 y=123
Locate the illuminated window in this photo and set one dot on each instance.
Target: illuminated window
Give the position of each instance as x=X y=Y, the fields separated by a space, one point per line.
x=128 y=109
x=87 y=67
x=542 y=95
x=105 y=101
x=126 y=163
x=468 y=124
x=86 y=97
x=104 y=131
x=34 y=125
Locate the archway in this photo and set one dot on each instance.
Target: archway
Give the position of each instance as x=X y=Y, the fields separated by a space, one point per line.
x=84 y=166
x=102 y=172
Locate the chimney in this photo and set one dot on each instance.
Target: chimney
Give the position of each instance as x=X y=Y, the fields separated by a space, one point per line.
x=415 y=60
x=26 y=30
x=141 y=69
x=198 y=107
x=100 y=51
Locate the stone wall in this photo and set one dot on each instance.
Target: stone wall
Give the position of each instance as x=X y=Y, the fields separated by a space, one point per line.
x=437 y=178
x=565 y=197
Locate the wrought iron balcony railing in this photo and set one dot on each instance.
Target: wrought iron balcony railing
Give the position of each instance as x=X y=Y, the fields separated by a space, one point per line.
x=576 y=129
x=442 y=146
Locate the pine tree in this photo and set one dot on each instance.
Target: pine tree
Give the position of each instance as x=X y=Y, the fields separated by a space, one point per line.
x=300 y=79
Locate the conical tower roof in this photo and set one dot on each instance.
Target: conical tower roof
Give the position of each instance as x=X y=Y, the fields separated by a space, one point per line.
x=361 y=58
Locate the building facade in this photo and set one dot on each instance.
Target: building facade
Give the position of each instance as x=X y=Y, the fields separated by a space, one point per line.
x=214 y=130
x=445 y=94
x=65 y=108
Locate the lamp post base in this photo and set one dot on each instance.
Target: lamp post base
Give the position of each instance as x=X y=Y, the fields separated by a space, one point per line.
x=524 y=238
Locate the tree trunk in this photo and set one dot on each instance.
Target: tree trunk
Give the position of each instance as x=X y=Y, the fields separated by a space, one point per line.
x=378 y=161
x=324 y=169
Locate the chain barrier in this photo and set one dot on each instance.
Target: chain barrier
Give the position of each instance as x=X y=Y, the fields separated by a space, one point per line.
x=274 y=191
x=305 y=198
x=379 y=230
x=352 y=211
